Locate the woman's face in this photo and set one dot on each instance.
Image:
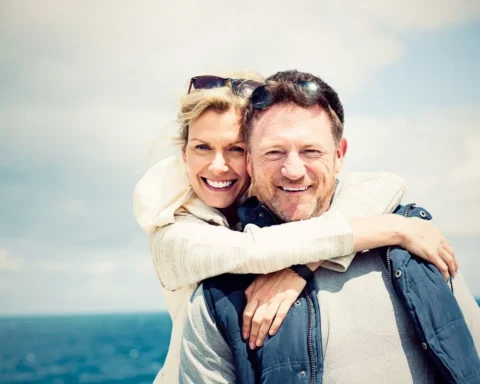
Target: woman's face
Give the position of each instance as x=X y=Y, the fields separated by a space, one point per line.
x=215 y=156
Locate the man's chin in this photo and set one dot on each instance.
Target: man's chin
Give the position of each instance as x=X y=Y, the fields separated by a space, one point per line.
x=295 y=214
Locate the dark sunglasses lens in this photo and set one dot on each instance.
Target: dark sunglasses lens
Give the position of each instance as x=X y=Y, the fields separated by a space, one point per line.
x=310 y=87
x=261 y=98
x=244 y=88
x=206 y=82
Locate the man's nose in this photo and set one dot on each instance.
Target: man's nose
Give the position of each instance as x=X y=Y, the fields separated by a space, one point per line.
x=218 y=165
x=293 y=168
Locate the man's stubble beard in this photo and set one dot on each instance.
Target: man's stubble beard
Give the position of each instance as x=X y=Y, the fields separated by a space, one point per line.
x=316 y=207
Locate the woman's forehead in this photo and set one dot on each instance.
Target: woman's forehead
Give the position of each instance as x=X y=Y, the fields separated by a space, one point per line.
x=214 y=126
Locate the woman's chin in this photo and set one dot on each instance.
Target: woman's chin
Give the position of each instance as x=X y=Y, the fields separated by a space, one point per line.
x=219 y=203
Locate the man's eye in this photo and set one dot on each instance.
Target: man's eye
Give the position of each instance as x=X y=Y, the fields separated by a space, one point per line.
x=202 y=147
x=273 y=155
x=312 y=152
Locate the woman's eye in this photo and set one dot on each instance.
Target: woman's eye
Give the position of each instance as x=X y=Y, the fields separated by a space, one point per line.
x=202 y=147
x=237 y=149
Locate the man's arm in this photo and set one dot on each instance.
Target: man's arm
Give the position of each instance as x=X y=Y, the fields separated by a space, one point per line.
x=205 y=357
x=469 y=307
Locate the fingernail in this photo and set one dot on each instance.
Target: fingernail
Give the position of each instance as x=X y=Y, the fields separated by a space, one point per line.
x=259 y=343
x=252 y=345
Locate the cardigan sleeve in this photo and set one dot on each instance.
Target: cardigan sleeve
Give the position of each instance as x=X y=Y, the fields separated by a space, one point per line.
x=191 y=250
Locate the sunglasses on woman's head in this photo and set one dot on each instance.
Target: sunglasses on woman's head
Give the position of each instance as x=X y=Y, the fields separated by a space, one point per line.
x=240 y=87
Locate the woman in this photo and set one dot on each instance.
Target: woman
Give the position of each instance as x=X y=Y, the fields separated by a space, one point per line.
x=188 y=204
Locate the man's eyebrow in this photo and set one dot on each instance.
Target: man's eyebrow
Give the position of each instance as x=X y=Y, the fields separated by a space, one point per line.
x=264 y=147
x=314 y=145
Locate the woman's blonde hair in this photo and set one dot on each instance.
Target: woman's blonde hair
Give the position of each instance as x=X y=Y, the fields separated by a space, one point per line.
x=193 y=105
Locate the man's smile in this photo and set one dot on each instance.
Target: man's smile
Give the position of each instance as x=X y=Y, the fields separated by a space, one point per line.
x=294 y=189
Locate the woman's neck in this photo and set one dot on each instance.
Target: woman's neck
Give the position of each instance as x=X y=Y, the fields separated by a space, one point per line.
x=230 y=214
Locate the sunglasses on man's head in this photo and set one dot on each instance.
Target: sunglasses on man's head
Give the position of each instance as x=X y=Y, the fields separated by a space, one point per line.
x=240 y=87
x=262 y=98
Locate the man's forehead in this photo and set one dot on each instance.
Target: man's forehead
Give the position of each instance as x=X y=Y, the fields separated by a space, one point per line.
x=280 y=119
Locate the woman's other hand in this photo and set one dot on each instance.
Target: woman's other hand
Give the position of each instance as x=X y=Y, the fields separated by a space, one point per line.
x=424 y=240
x=269 y=297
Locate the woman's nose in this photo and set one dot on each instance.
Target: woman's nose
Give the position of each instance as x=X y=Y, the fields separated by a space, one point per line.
x=218 y=164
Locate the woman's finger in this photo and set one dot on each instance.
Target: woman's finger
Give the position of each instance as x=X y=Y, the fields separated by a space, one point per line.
x=280 y=316
x=256 y=323
x=249 y=290
x=450 y=250
x=436 y=260
x=448 y=260
x=267 y=321
x=248 y=313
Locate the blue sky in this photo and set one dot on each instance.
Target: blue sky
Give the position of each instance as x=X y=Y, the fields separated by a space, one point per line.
x=89 y=89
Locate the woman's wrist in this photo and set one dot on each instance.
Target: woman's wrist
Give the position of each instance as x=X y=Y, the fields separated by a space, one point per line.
x=378 y=231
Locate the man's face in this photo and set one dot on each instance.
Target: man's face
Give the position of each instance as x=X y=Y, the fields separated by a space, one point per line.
x=293 y=161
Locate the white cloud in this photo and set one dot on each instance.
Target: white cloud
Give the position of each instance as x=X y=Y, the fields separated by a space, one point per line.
x=90 y=85
x=437 y=154
x=98 y=82
x=409 y=15
x=8 y=263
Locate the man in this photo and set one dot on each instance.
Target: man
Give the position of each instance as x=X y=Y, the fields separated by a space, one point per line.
x=389 y=318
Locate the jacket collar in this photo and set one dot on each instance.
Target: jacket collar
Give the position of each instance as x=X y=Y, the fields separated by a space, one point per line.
x=252 y=211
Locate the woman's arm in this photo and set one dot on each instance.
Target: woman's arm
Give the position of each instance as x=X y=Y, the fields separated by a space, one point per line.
x=191 y=250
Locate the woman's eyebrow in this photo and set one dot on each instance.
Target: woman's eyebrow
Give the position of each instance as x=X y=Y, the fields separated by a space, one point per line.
x=238 y=142
x=231 y=143
x=201 y=141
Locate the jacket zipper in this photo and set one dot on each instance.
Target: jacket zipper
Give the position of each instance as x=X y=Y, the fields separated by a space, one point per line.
x=310 y=342
x=389 y=261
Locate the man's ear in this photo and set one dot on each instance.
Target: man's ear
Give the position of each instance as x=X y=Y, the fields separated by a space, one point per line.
x=340 y=154
x=249 y=164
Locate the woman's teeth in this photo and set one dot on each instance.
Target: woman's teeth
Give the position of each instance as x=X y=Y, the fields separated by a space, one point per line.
x=219 y=184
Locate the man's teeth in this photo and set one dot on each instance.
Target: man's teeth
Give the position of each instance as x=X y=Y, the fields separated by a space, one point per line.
x=294 y=189
x=219 y=184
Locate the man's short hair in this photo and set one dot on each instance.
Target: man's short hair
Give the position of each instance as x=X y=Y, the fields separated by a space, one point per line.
x=284 y=88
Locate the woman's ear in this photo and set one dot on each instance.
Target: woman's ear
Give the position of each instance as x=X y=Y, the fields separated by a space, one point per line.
x=184 y=154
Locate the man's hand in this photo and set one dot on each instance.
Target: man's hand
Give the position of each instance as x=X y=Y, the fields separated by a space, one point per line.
x=269 y=298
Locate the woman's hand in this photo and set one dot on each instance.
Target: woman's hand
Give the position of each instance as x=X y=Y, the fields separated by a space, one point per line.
x=423 y=239
x=416 y=235
x=269 y=297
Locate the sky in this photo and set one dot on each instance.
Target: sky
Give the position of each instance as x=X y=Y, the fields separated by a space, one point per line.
x=88 y=99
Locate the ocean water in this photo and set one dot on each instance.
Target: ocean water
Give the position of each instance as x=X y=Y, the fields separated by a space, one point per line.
x=117 y=348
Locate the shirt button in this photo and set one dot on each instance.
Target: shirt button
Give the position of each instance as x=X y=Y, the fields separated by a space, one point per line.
x=260 y=214
x=424 y=346
x=297 y=302
x=303 y=374
x=423 y=214
x=398 y=273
